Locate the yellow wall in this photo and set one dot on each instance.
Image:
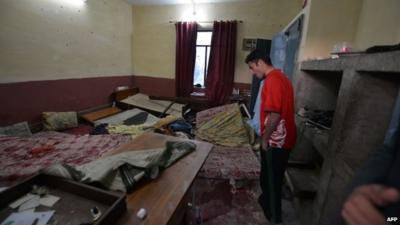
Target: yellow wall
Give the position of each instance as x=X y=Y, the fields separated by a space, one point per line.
x=327 y=23
x=54 y=39
x=379 y=23
x=153 y=48
x=361 y=23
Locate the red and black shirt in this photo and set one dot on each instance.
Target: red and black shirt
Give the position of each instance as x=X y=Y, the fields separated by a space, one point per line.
x=277 y=96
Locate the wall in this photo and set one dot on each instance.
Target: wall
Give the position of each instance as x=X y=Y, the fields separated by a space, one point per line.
x=361 y=23
x=57 y=39
x=327 y=23
x=46 y=43
x=378 y=24
x=153 y=39
x=25 y=101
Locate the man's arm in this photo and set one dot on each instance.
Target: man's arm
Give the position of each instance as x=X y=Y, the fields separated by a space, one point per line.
x=272 y=122
x=368 y=194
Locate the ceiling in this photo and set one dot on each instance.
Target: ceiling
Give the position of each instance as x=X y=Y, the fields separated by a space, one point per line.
x=172 y=2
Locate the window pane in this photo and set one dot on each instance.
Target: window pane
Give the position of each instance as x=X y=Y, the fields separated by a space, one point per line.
x=204 y=38
x=199 y=66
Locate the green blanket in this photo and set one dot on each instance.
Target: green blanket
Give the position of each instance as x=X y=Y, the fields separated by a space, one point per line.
x=122 y=171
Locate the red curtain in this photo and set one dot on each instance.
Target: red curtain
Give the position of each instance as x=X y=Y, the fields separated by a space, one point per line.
x=186 y=35
x=221 y=68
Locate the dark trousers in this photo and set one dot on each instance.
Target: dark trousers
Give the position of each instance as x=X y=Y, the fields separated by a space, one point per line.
x=273 y=166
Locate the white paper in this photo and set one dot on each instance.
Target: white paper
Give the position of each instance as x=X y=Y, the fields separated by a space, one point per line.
x=30 y=204
x=49 y=200
x=21 y=200
x=3 y=189
x=27 y=218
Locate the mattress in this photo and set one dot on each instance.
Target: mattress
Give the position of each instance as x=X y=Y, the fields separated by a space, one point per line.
x=143 y=101
x=123 y=116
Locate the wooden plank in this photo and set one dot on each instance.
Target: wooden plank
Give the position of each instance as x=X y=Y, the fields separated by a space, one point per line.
x=120 y=95
x=93 y=116
x=162 y=196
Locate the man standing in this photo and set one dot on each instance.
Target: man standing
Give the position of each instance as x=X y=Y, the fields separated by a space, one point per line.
x=278 y=131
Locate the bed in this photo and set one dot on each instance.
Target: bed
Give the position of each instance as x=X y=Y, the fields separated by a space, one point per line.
x=159 y=106
x=131 y=98
x=124 y=117
x=234 y=160
x=22 y=157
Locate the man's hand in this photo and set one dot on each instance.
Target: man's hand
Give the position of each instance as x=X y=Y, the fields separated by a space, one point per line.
x=361 y=208
x=264 y=144
x=271 y=122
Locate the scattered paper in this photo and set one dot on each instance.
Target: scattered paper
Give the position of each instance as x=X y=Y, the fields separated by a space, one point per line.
x=27 y=218
x=30 y=204
x=30 y=210
x=49 y=200
x=21 y=200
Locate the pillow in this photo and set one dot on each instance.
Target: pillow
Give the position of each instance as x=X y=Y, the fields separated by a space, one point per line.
x=59 y=120
x=18 y=129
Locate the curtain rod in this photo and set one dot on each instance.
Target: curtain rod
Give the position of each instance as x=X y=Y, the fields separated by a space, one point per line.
x=175 y=21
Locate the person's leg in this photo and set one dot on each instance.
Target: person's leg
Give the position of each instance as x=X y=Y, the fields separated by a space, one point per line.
x=277 y=159
x=263 y=198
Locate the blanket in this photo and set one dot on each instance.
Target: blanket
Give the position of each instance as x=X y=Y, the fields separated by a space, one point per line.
x=122 y=171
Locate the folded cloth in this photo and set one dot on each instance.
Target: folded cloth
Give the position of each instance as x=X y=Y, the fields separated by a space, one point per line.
x=122 y=171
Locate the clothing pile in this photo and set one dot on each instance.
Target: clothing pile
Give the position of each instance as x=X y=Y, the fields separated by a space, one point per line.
x=135 y=122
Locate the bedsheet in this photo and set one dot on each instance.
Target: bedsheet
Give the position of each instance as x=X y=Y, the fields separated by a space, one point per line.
x=21 y=157
x=231 y=163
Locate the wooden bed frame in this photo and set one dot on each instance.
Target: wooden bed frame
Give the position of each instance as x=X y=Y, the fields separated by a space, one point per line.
x=195 y=104
x=120 y=95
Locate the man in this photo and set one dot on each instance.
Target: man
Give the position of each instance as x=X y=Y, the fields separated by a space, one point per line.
x=374 y=197
x=278 y=131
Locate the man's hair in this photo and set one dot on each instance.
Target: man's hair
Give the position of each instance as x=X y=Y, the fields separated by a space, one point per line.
x=256 y=55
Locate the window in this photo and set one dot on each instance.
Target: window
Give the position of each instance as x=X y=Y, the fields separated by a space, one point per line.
x=203 y=47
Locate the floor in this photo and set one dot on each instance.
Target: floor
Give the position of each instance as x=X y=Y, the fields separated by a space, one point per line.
x=224 y=202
